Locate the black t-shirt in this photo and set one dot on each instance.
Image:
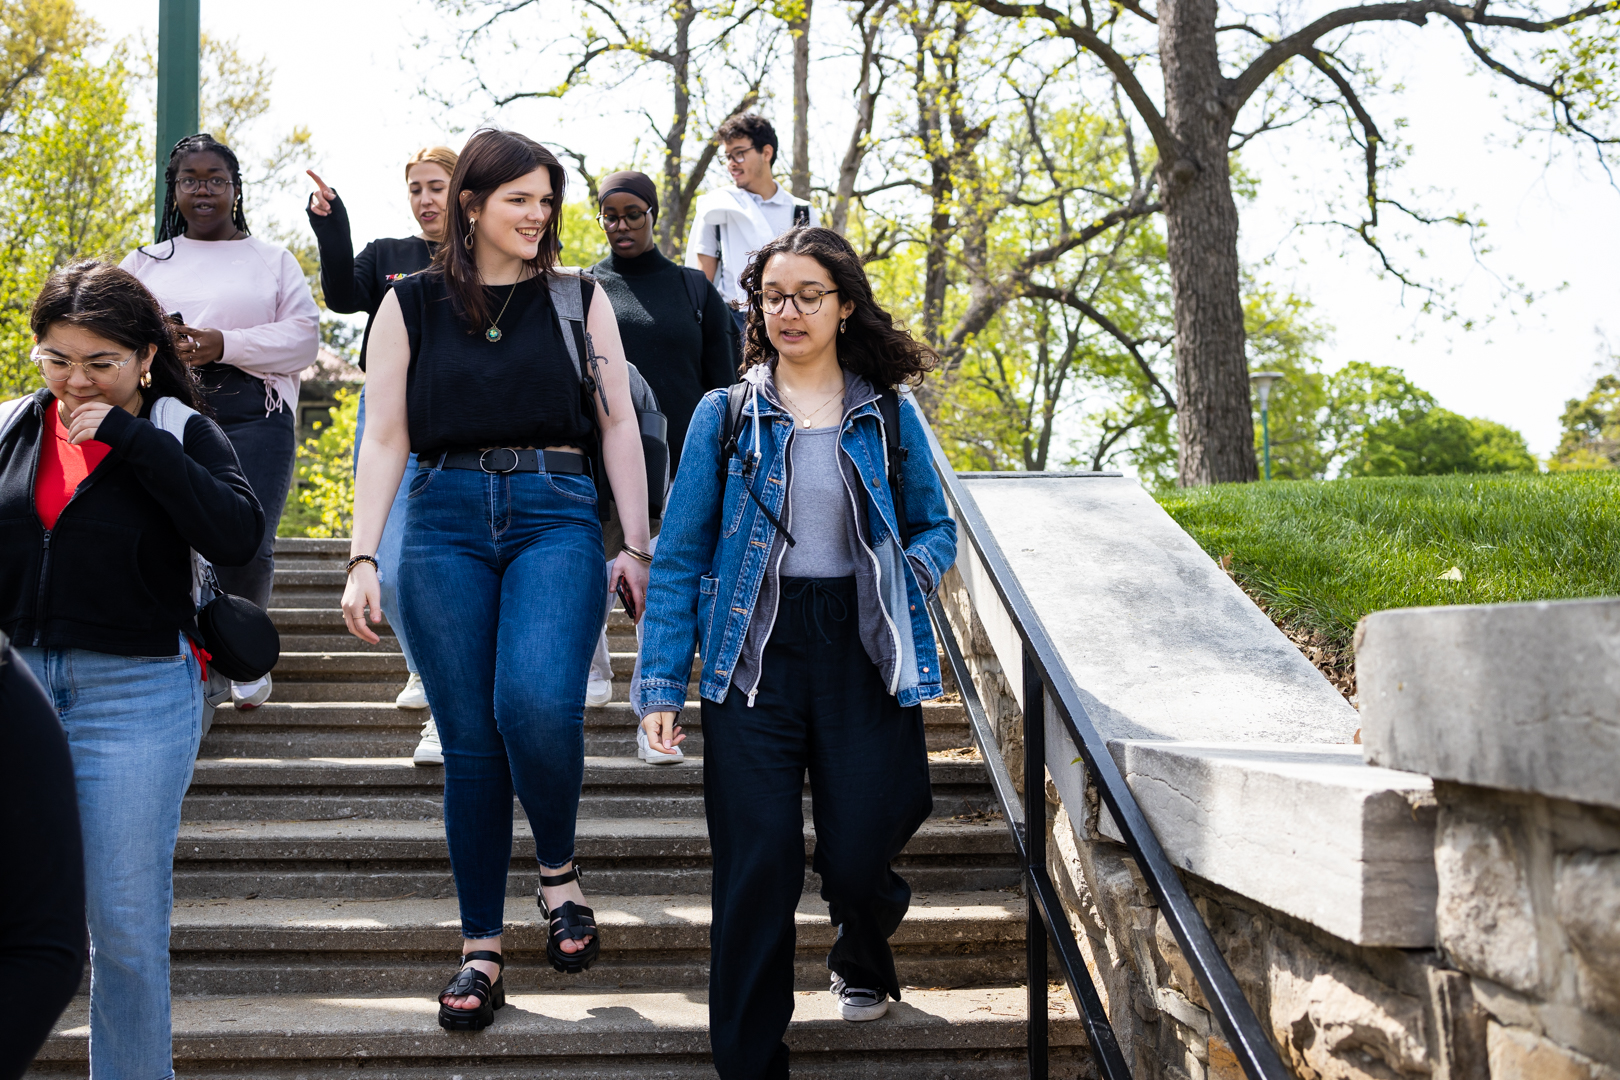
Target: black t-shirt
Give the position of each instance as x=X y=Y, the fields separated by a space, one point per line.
x=464 y=391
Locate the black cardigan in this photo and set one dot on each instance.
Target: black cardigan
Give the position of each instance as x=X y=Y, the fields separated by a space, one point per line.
x=352 y=284
x=114 y=575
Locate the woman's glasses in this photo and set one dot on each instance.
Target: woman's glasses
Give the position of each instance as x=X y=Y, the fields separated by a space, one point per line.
x=806 y=301
x=58 y=368
x=630 y=219
x=216 y=185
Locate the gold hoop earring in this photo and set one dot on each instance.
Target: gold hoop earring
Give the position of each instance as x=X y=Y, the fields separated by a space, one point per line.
x=472 y=227
x=146 y=377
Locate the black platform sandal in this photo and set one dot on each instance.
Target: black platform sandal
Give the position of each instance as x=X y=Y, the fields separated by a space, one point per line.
x=570 y=922
x=470 y=982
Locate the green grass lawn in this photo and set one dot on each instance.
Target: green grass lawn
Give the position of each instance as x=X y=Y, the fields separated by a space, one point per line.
x=1321 y=554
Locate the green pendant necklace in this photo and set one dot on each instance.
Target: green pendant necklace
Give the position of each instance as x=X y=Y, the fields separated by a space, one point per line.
x=494 y=331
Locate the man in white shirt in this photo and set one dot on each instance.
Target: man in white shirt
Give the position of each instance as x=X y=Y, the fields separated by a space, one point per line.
x=730 y=224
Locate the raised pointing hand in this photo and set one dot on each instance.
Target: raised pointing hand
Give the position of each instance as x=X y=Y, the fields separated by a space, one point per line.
x=320 y=200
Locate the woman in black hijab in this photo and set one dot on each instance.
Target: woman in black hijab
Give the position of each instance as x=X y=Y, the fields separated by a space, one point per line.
x=675 y=329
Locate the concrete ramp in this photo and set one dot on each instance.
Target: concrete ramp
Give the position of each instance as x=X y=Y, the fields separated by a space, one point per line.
x=1162 y=644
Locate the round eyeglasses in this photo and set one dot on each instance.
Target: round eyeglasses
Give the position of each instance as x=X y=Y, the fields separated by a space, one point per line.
x=58 y=368
x=630 y=219
x=216 y=185
x=805 y=301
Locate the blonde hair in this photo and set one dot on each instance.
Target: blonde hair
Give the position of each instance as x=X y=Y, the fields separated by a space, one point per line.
x=442 y=156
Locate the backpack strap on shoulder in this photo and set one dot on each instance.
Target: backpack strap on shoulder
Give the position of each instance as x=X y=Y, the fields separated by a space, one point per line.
x=12 y=412
x=889 y=409
x=569 y=296
x=694 y=280
x=172 y=415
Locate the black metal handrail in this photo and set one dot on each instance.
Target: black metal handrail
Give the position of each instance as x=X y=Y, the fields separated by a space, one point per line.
x=1043 y=672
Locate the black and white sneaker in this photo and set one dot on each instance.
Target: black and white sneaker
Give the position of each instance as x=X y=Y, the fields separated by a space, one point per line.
x=857 y=1004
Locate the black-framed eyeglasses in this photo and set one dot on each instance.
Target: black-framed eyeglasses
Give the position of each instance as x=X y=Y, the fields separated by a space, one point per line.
x=631 y=219
x=216 y=185
x=737 y=157
x=58 y=368
x=805 y=301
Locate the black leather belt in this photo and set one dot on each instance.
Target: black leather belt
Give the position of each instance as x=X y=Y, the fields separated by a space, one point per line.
x=505 y=459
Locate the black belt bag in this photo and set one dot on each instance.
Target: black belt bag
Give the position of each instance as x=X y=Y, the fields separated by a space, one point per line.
x=501 y=460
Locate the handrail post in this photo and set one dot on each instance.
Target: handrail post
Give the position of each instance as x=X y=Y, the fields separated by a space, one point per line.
x=1035 y=846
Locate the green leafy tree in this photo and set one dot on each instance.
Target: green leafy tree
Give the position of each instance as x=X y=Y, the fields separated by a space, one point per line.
x=322 y=499
x=1591 y=438
x=1380 y=423
x=71 y=165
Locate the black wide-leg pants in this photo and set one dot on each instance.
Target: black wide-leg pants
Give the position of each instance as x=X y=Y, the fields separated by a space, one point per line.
x=821 y=708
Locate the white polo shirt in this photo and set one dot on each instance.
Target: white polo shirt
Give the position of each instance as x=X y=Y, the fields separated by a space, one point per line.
x=731 y=224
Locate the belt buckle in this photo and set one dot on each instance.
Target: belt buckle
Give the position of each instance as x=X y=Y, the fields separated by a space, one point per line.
x=497 y=472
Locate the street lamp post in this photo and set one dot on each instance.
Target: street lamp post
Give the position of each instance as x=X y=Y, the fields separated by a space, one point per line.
x=179 y=46
x=1262 y=383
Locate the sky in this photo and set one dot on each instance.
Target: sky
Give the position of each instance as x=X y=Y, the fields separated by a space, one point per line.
x=351 y=71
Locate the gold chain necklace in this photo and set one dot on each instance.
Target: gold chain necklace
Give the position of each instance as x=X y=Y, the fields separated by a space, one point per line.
x=494 y=331
x=806 y=418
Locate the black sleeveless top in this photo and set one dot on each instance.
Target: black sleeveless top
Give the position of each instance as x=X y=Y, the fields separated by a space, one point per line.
x=465 y=391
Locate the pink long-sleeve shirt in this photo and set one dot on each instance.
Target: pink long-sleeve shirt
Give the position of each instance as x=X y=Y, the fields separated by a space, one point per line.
x=250 y=290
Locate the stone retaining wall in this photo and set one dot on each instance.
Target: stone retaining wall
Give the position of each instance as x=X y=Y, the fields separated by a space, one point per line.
x=1521 y=981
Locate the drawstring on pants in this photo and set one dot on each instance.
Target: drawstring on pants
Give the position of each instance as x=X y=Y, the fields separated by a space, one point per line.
x=816 y=602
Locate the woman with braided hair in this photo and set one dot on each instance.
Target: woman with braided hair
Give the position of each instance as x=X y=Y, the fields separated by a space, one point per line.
x=249 y=325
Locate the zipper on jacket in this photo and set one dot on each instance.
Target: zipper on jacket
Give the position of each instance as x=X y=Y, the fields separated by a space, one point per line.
x=877 y=567
x=39 y=601
x=787 y=502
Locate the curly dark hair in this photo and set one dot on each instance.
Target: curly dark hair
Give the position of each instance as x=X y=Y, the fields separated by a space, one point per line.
x=871 y=346
x=105 y=300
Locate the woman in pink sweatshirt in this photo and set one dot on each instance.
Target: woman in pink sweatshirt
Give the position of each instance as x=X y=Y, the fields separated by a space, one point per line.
x=249 y=327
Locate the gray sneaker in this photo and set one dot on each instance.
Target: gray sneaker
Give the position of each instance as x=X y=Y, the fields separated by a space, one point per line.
x=857 y=1004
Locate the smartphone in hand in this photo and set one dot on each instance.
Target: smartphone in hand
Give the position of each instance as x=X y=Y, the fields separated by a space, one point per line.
x=622 y=587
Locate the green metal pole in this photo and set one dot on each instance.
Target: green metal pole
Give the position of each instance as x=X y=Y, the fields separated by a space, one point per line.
x=179 y=69
x=1265 y=440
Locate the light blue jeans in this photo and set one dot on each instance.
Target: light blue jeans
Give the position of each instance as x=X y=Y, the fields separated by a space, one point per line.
x=388 y=548
x=133 y=724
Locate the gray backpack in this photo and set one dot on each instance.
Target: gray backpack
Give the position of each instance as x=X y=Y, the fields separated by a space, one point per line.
x=570 y=295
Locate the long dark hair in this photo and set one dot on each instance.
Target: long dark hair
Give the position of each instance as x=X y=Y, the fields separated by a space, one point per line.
x=105 y=300
x=871 y=345
x=173 y=223
x=492 y=157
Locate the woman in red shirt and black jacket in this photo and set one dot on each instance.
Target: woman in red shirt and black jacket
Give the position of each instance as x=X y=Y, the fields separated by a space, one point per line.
x=99 y=512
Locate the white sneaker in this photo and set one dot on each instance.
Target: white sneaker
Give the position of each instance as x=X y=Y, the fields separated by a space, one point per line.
x=250 y=695
x=414 y=696
x=856 y=1004
x=646 y=753
x=428 y=751
x=598 y=691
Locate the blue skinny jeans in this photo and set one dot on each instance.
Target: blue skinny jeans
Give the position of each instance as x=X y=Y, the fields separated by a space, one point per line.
x=502 y=582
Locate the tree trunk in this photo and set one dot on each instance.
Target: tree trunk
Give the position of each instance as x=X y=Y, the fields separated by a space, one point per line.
x=800 y=181
x=1214 y=424
x=672 y=211
x=867 y=89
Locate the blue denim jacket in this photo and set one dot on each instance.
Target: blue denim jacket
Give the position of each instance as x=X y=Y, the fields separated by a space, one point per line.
x=716 y=550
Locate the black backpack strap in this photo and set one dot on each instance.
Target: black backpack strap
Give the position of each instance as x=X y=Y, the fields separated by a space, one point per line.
x=889 y=409
x=694 y=279
x=801 y=214
x=730 y=434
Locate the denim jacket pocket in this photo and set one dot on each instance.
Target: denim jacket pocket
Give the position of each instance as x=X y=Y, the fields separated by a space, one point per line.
x=736 y=497
x=708 y=589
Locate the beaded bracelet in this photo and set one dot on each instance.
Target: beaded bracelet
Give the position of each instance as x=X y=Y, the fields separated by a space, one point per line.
x=348 y=567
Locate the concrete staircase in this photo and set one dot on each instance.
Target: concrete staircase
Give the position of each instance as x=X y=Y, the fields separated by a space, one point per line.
x=315 y=916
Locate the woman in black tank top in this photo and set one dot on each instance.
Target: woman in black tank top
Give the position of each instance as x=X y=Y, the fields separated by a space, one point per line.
x=501 y=574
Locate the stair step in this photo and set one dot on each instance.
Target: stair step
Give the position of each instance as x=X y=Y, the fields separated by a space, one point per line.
x=378 y=858
x=621 y=1033
x=353 y=665
x=308 y=789
x=293 y=946
x=329 y=617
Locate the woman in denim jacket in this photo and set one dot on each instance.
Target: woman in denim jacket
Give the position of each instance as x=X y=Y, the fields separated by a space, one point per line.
x=782 y=560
